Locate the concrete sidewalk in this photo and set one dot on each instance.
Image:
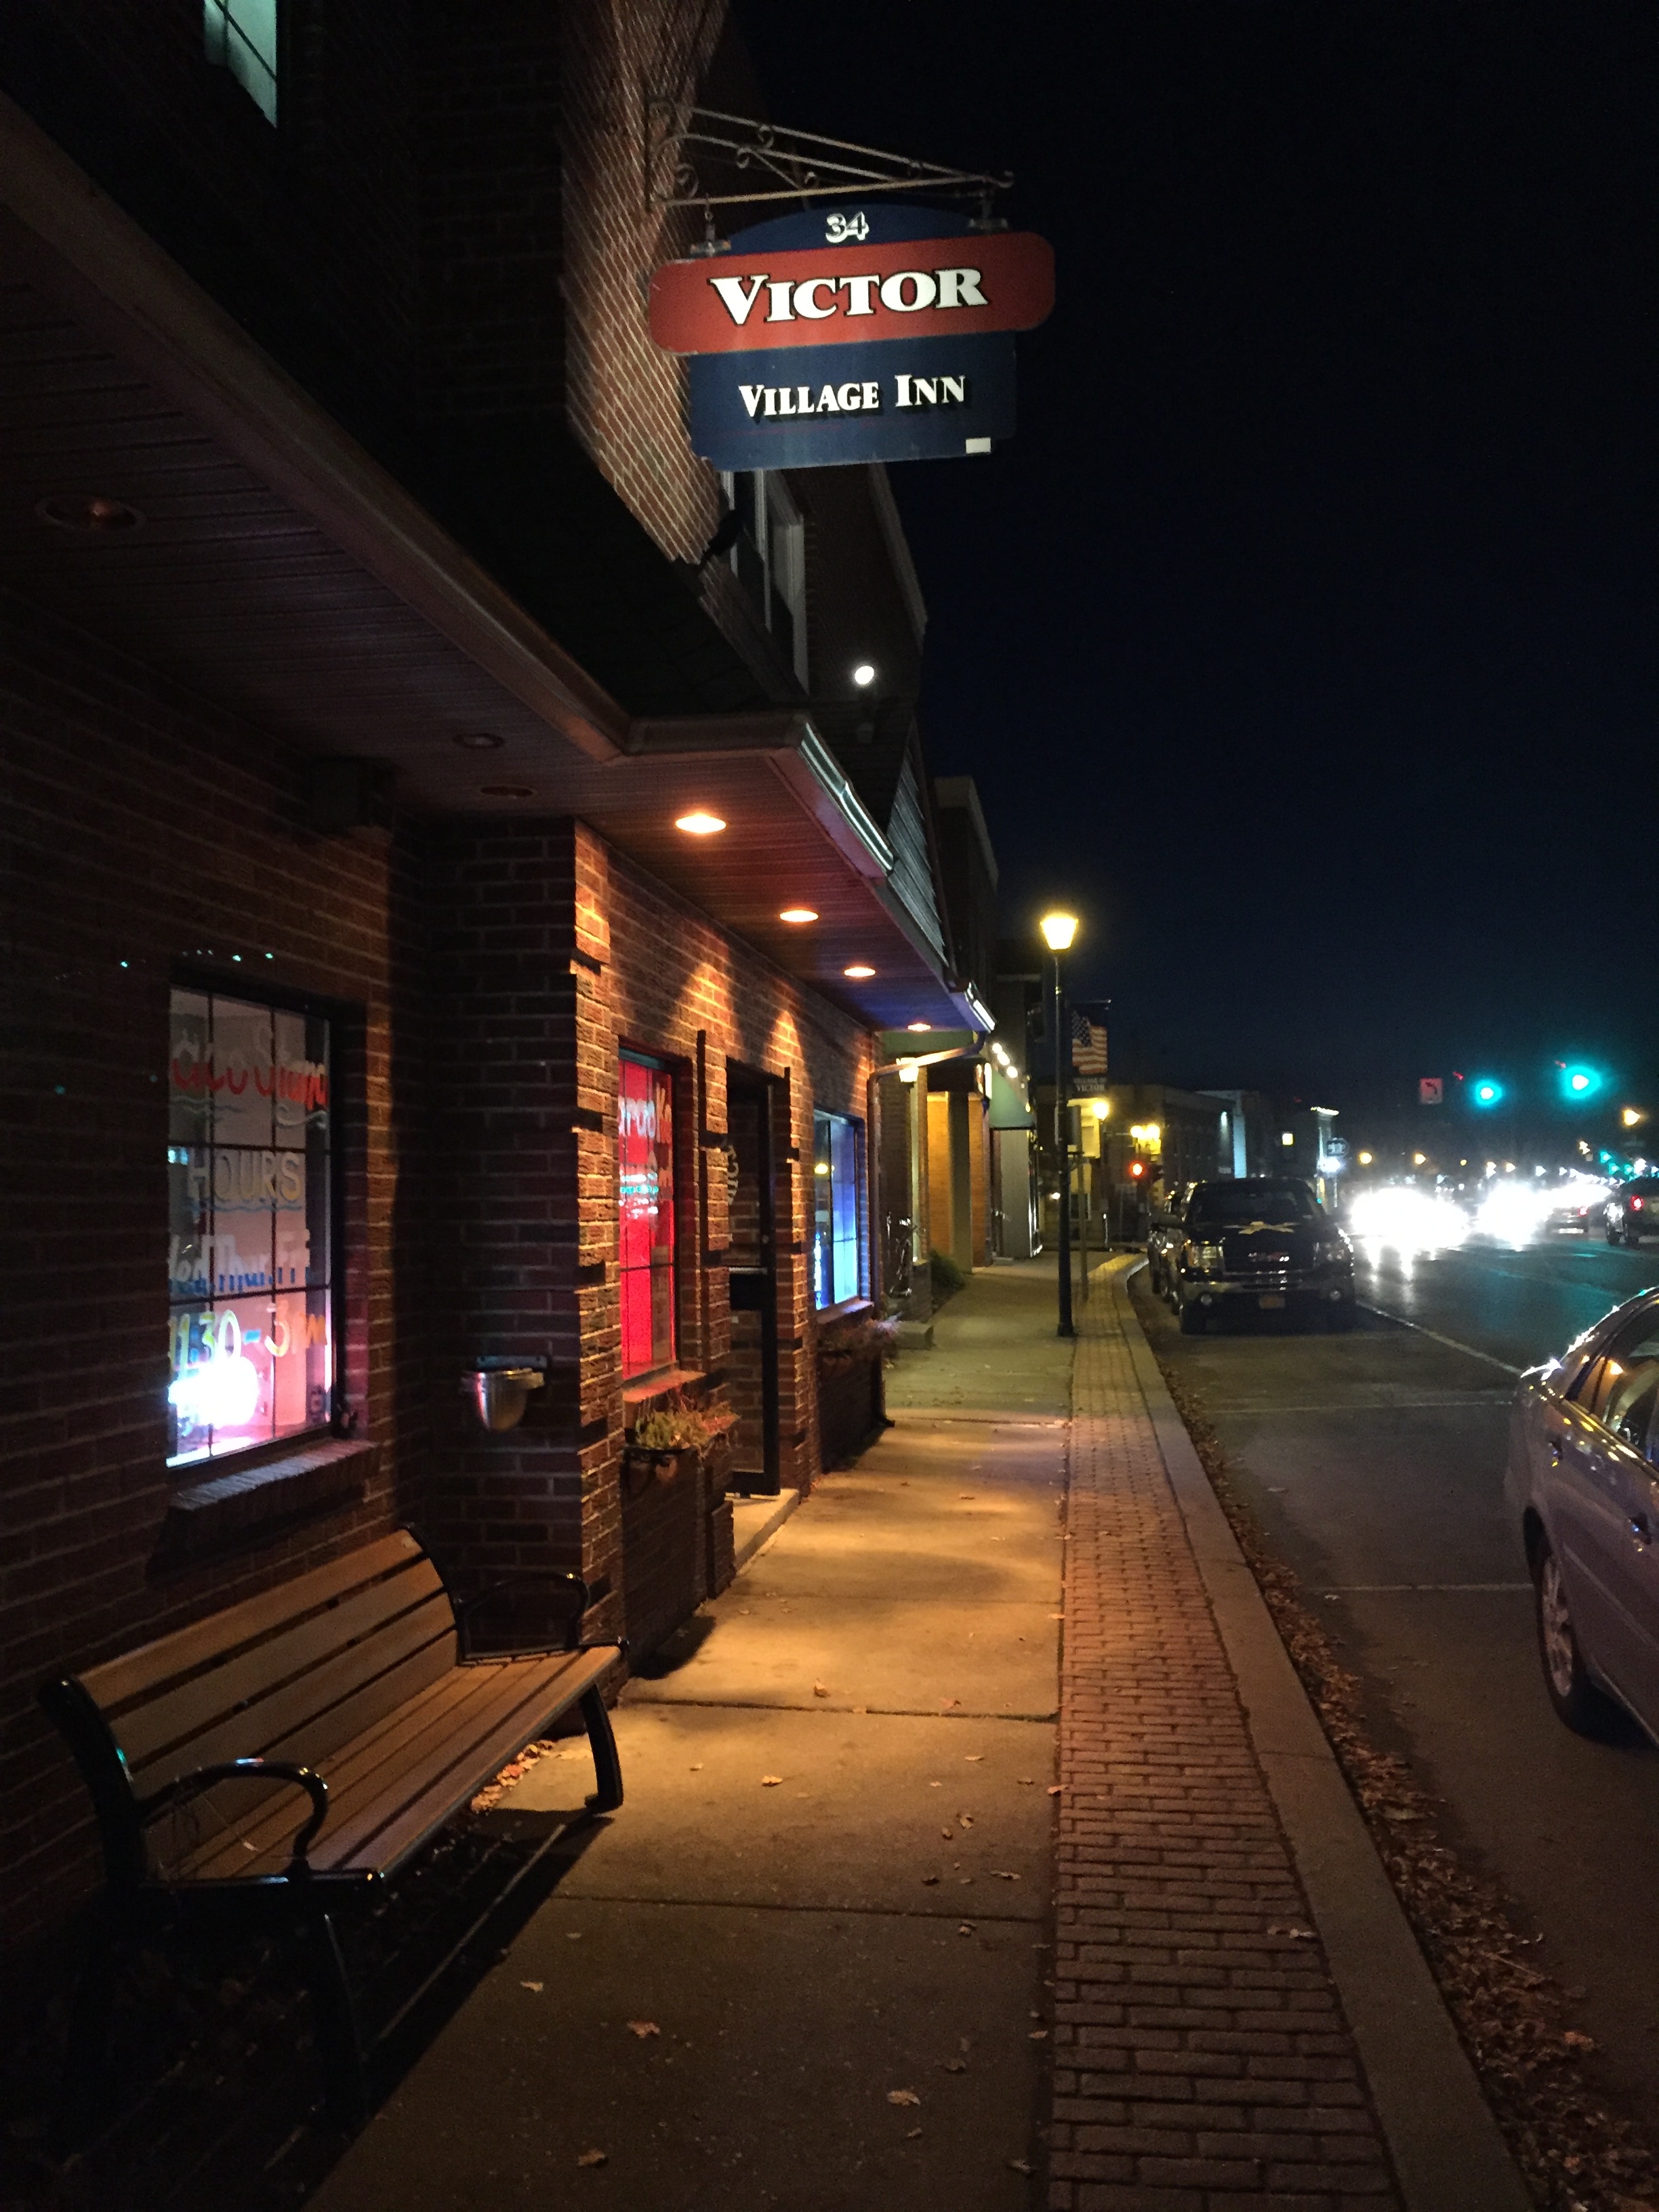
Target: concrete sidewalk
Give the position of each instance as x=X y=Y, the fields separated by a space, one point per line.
x=824 y=1956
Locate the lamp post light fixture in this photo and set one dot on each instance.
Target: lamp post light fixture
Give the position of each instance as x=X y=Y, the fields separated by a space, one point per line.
x=1058 y=931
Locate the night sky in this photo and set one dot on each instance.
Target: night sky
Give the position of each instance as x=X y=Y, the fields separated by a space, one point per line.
x=1305 y=636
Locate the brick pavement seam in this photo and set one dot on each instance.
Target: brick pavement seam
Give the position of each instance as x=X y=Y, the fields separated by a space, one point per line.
x=1447 y=2150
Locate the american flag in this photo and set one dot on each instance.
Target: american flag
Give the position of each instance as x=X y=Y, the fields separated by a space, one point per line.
x=1089 y=1041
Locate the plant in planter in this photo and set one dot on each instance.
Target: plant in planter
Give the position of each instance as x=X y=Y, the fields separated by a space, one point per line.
x=673 y=1433
x=856 y=1343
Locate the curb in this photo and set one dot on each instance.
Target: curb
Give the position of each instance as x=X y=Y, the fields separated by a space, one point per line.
x=1448 y=2152
x=767 y=1526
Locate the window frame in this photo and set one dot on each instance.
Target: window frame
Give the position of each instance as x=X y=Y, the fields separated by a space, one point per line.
x=220 y=27
x=664 y=1064
x=854 y=1127
x=342 y=1018
x=773 y=534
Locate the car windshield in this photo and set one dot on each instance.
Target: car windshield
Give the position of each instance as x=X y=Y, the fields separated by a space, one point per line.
x=1249 y=1200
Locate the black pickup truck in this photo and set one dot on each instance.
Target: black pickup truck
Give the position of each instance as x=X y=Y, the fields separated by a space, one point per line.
x=1259 y=1244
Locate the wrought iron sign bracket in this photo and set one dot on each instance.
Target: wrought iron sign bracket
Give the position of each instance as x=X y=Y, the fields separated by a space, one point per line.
x=685 y=158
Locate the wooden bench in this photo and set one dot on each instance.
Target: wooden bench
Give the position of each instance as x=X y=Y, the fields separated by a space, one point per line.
x=291 y=1752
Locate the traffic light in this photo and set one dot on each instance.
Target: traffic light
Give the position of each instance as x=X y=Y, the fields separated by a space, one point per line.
x=1579 y=1084
x=1136 y=1170
x=1486 y=1091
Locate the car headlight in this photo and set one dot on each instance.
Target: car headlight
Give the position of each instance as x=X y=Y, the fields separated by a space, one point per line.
x=1203 y=1259
x=1325 y=1254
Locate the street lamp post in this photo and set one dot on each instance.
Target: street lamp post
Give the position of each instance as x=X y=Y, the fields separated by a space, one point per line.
x=1058 y=931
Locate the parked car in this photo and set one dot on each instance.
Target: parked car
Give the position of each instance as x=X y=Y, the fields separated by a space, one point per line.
x=1582 y=1485
x=1629 y=1214
x=1163 y=1240
x=1259 y=1244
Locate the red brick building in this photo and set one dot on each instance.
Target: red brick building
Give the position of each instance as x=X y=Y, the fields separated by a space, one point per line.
x=372 y=1016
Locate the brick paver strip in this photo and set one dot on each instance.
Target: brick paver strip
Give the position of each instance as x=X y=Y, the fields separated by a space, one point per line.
x=1202 y=2060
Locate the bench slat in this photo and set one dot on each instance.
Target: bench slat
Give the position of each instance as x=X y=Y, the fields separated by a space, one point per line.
x=355 y=1770
x=385 y=1795
x=179 y=1716
x=428 y=1793
x=152 y=1665
x=299 y=1715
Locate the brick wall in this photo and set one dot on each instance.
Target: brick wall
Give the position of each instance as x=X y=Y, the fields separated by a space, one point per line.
x=625 y=63
x=140 y=830
x=551 y=953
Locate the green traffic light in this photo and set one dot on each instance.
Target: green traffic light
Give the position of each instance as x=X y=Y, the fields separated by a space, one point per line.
x=1487 y=1091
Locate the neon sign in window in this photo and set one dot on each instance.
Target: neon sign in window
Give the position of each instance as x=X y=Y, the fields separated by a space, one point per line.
x=835 y=1271
x=644 y=1159
x=249 y=1253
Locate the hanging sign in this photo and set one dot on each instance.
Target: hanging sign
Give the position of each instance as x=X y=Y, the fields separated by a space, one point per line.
x=852 y=335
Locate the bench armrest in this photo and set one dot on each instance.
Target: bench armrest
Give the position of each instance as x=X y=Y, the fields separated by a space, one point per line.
x=465 y=1607
x=250 y=1770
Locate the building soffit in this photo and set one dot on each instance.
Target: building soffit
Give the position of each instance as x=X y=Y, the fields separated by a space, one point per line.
x=285 y=573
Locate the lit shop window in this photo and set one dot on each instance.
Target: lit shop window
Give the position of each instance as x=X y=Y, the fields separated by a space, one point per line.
x=249 y=1253
x=835 y=1271
x=645 y=1160
x=240 y=36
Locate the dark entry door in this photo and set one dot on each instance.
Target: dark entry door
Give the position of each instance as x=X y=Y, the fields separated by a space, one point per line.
x=750 y=1118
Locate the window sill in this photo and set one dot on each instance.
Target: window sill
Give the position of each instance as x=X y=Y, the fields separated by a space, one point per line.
x=848 y=1310
x=227 y=1509
x=639 y=1394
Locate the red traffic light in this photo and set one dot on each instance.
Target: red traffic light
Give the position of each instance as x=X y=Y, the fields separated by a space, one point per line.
x=1135 y=1170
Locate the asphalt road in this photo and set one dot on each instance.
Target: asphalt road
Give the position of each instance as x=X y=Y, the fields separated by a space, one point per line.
x=1374 y=1464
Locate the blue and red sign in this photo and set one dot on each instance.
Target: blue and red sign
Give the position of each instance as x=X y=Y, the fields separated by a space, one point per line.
x=852 y=335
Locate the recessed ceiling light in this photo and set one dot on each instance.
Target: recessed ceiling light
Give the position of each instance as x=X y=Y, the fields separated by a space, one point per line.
x=919 y=1025
x=798 y=914
x=699 y=824
x=478 y=741
x=94 y=516
x=506 y=791
x=858 y=971
x=864 y=675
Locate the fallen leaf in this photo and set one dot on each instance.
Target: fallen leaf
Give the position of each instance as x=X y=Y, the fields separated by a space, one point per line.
x=966 y=1819
x=861 y=1709
x=642 y=2029
x=1003 y=1875
x=966 y=1928
x=770 y=1781
x=593 y=2157
x=697 y=1767
x=954 y=2065
x=902 y=2097
x=1022 y=2166
x=912 y=2134
x=1037 y=2035
x=949 y=1703
x=820 y=1689
x=928 y=1880
x=1055 y=1788
x=949 y=1834
x=572 y=1935
x=538 y=1987
x=966 y=1879
x=1301 y=1935
x=973 y=1758
x=967 y=1493
x=1026 y=1781
x=1575 y=2041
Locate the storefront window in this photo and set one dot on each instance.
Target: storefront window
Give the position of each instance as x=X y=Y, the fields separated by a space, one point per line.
x=645 y=1151
x=250 y=1256
x=835 y=1271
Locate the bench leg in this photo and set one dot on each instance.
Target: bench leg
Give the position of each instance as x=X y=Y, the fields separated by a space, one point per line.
x=336 y=2023
x=607 y=1767
x=86 y=2059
